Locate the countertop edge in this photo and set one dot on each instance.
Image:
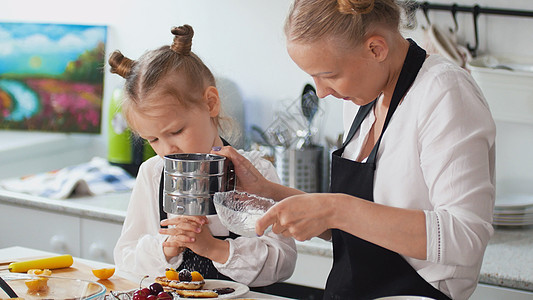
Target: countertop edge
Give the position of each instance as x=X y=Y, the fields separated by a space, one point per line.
x=63 y=206
x=505 y=281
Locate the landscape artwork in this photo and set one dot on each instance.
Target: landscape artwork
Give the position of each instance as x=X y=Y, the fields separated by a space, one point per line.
x=51 y=77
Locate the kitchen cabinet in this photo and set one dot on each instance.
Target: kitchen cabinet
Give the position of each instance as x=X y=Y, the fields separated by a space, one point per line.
x=488 y=292
x=39 y=229
x=98 y=238
x=56 y=232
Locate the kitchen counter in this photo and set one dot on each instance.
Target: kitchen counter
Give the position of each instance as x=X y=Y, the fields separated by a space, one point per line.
x=15 y=253
x=108 y=207
x=508 y=260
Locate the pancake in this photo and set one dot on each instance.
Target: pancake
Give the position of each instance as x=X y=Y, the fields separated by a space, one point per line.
x=180 y=285
x=196 y=293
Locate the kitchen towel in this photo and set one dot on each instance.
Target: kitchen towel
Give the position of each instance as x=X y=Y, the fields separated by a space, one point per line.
x=445 y=44
x=95 y=177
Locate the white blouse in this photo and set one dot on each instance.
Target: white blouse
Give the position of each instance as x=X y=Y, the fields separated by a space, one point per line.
x=257 y=261
x=437 y=155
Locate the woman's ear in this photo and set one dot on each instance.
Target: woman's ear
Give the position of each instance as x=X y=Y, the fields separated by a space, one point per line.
x=377 y=47
x=213 y=101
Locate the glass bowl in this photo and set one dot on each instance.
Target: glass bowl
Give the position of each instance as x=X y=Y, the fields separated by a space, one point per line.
x=58 y=288
x=239 y=211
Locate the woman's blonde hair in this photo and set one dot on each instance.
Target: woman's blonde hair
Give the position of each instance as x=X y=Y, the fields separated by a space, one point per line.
x=349 y=21
x=161 y=72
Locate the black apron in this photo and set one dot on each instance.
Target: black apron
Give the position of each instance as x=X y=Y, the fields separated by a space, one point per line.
x=363 y=270
x=191 y=260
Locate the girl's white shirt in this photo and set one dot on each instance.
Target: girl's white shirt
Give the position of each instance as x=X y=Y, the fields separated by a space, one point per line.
x=257 y=261
x=437 y=155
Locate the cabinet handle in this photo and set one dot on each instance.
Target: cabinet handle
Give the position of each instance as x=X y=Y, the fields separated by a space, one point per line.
x=58 y=244
x=96 y=251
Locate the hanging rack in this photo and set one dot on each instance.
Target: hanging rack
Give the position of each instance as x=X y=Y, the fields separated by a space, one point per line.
x=475 y=10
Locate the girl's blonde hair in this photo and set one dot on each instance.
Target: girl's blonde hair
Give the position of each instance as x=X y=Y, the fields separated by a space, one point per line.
x=161 y=72
x=349 y=21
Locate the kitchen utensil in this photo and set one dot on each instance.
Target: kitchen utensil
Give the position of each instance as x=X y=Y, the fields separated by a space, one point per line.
x=309 y=105
x=259 y=136
x=55 y=262
x=58 y=288
x=9 y=291
x=281 y=132
x=239 y=211
x=191 y=180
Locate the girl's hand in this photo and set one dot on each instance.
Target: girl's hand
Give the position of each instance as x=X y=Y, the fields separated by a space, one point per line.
x=181 y=230
x=207 y=245
x=300 y=217
x=192 y=232
x=248 y=177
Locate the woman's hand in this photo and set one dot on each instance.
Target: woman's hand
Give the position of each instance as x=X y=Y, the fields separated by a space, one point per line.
x=305 y=216
x=248 y=177
x=301 y=216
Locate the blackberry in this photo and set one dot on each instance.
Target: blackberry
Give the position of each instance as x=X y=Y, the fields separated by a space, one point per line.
x=185 y=275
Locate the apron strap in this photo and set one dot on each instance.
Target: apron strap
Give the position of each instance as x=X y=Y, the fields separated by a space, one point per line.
x=407 y=76
x=361 y=115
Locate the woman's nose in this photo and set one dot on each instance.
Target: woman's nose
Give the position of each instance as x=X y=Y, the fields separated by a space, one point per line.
x=321 y=90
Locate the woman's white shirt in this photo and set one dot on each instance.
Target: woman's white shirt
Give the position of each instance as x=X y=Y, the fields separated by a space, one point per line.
x=257 y=261
x=437 y=155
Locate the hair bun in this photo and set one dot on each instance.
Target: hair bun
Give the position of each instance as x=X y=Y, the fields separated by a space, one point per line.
x=120 y=64
x=182 y=39
x=355 y=6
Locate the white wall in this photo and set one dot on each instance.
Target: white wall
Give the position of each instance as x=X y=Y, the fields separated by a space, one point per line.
x=242 y=42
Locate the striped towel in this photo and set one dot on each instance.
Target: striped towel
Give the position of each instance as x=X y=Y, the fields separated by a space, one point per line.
x=92 y=178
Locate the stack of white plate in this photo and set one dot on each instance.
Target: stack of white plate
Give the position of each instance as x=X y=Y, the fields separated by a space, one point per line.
x=514 y=210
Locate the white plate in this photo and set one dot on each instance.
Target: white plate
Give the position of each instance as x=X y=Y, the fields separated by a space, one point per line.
x=513 y=219
x=519 y=201
x=526 y=212
x=240 y=289
x=520 y=222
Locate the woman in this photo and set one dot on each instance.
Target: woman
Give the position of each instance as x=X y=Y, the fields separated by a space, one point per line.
x=412 y=187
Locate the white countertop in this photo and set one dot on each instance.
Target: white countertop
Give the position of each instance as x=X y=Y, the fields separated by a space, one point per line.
x=13 y=253
x=508 y=260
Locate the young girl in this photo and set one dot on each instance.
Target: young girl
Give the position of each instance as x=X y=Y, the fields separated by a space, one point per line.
x=172 y=102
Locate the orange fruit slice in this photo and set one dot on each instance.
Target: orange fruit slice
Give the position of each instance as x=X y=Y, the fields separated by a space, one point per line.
x=104 y=273
x=36 y=285
x=196 y=276
x=44 y=272
x=171 y=274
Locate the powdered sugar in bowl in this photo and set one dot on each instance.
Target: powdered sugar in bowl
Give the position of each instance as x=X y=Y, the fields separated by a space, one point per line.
x=239 y=211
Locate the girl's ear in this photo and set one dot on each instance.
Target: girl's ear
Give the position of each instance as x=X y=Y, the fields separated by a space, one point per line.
x=213 y=101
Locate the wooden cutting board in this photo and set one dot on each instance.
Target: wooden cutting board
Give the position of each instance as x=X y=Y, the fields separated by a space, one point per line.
x=79 y=270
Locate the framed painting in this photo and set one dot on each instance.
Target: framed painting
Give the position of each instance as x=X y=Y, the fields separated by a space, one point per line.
x=51 y=77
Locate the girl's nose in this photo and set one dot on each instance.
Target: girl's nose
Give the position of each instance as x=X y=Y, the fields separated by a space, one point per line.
x=170 y=149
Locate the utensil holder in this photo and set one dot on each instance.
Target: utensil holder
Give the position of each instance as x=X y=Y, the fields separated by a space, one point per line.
x=301 y=168
x=191 y=180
